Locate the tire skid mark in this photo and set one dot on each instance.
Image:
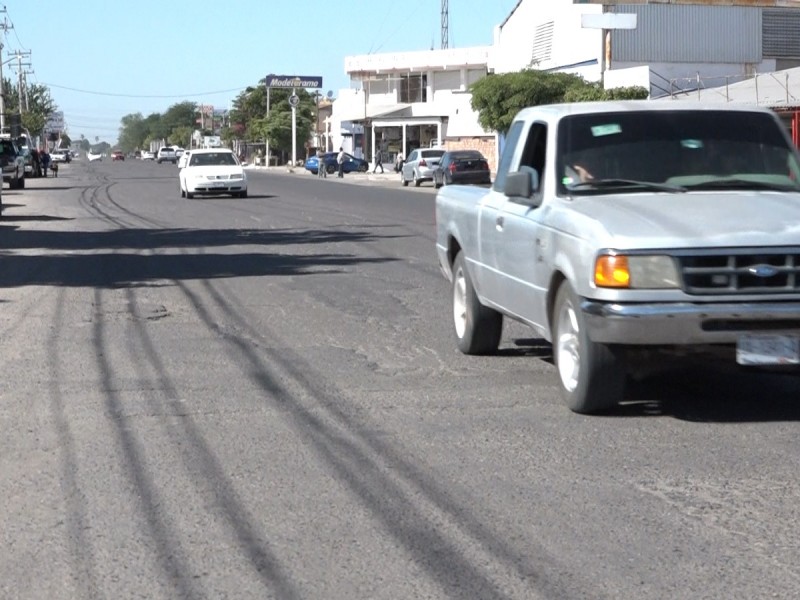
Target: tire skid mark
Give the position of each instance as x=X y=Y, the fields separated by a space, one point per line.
x=171 y=557
x=253 y=545
x=357 y=458
x=81 y=556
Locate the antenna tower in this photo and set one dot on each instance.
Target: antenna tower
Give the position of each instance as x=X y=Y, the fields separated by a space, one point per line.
x=445 y=26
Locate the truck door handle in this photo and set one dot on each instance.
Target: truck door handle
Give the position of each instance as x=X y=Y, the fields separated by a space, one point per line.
x=498 y=223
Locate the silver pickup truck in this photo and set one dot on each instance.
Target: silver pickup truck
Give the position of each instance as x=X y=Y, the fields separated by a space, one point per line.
x=621 y=230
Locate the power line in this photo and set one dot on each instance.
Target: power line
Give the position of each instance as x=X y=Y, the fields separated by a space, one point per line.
x=96 y=93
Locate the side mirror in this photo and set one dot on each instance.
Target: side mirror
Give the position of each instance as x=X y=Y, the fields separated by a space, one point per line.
x=520 y=186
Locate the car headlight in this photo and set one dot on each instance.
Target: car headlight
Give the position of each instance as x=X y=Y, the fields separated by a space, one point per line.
x=635 y=271
x=237 y=176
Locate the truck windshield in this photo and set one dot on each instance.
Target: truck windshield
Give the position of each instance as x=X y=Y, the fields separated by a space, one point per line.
x=691 y=149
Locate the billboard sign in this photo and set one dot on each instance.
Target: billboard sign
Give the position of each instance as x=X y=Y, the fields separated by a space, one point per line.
x=55 y=122
x=293 y=81
x=767 y=3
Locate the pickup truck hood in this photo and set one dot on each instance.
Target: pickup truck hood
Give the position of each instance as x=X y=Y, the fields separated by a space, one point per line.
x=693 y=219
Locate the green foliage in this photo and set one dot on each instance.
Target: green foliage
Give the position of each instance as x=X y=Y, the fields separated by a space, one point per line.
x=181 y=136
x=592 y=92
x=498 y=98
x=39 y=105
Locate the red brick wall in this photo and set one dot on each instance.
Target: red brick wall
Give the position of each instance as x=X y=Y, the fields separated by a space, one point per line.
x=485 y=145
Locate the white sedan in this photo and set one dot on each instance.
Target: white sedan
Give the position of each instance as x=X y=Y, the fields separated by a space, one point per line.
x=212 y=171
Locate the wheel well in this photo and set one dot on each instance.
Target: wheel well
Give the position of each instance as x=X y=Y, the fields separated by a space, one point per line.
x=453 y=248
x=556 y=279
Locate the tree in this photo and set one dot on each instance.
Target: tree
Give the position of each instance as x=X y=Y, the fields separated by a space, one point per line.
x=498 y=98
x=592 y=92
x=133 y=132
x=39 y=105
x=181 y=136
x=183 y=114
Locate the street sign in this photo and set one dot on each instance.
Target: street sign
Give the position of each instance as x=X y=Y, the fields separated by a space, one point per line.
x=294 y=100
x=293 y=81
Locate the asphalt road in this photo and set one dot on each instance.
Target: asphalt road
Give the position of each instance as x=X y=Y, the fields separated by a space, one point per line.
x=261 y=398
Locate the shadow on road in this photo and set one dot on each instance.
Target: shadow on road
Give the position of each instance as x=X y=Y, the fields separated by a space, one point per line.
x=120 y=258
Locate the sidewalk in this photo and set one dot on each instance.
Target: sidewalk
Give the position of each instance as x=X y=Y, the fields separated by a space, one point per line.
x=388 y=175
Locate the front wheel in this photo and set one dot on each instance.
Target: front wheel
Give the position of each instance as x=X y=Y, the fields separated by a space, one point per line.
x=592 y=374
x=478 y=328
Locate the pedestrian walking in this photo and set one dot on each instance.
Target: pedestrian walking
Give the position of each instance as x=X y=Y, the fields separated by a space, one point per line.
x=44 y=157
x=340 y=161
x=322 y=168
x=378 y=160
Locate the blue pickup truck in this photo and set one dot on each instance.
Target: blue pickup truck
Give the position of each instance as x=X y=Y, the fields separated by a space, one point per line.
x=623 y=231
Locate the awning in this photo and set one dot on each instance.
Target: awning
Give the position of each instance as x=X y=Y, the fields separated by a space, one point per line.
x=353 y=113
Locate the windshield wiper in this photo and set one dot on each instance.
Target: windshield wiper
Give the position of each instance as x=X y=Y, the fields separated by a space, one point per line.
x=605 y=184
x=742 y=184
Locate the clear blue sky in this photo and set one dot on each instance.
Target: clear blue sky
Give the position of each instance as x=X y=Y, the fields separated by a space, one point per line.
x=104 y=59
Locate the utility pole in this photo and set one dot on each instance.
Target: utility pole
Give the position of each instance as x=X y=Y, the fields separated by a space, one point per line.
x=5 y=27
x=21 y=75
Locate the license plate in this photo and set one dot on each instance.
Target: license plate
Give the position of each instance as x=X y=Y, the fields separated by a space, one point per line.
x=768 y=349
x=218 y=184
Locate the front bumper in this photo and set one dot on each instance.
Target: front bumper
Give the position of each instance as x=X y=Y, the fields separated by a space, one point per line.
x=219 y=187
x=686 y=323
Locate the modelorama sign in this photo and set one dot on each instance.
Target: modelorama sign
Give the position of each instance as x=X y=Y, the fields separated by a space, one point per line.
x=293 y=81
x=769 y=3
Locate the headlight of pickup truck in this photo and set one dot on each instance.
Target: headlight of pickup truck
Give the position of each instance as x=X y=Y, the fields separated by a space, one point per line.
x=635 y=272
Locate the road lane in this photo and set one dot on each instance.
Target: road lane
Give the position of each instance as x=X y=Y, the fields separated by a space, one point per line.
x=261 y=397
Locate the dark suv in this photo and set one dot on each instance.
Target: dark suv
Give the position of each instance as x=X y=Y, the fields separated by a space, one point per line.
x=12 y=163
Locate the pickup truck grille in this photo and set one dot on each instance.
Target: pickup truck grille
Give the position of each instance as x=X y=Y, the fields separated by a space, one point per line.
x=741 y=273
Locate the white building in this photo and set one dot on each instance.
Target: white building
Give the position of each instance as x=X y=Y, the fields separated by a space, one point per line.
x=415 y=99
x=409 y=100
x=674 y=46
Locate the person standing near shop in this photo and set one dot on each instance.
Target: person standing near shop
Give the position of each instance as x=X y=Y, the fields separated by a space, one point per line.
x=378 y=160
x=340 y=161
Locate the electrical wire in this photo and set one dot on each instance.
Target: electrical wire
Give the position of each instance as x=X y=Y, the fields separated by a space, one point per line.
x=96 y=93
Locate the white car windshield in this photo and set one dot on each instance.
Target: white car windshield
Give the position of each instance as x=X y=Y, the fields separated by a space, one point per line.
x=212 y=159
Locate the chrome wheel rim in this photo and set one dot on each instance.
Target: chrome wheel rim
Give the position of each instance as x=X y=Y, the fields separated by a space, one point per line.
x=460 y=302
x=568 y=348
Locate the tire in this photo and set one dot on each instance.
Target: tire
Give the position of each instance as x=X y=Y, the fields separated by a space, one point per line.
x=478 y=328
x=592 y=375
x=243 y=194
x=417 y=181
x=363 y=168
x=189 y=195
x=403 y=179
x=183 y=194
x=330 y=169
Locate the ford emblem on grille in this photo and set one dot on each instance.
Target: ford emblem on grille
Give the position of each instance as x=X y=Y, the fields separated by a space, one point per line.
x=762 y=270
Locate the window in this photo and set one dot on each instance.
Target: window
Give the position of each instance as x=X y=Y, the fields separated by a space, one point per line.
x=413 y=88
x=510 y=145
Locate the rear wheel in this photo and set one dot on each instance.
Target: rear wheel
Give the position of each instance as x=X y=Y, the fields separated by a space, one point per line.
x=417 y=180
x=592 y=375
x=478 y=328
x=403 y=179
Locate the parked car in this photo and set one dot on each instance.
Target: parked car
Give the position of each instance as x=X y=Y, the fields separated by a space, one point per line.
x=117 y=155
x=147 y=155
x=212 y=171
x=420 y=165
x=12 y=164
x=351 y=163
x=59 y=156
x=462 y=167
